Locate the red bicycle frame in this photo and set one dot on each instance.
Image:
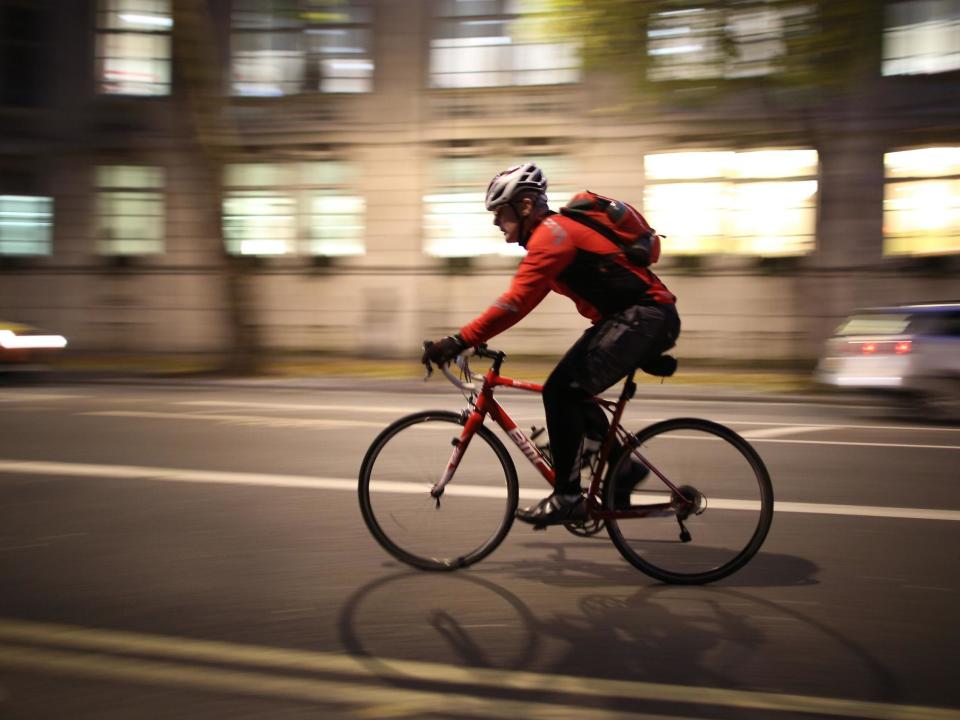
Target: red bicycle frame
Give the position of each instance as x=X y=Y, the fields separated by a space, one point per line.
x=485 y=405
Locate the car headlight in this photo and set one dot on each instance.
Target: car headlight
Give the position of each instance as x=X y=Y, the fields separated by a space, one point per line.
x=9 y=340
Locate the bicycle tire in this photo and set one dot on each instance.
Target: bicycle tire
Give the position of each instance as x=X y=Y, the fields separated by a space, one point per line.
x=722 y=523
x=387 y=529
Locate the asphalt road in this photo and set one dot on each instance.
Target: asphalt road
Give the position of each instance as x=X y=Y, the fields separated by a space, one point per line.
x=167 y=551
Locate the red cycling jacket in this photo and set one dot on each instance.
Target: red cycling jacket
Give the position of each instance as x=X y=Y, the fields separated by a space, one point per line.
x=569 y=258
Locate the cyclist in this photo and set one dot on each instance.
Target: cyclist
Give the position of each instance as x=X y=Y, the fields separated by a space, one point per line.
x=634 y=321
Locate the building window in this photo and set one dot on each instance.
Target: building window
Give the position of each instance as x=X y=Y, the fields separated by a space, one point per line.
x=26 y=223
x=286 y=47
x=759 y=202
x=921 y=205
x=487 y=43
x=456 y=221
x=698 y=43
x=292 y=209
x=130 y=210
x=133 y=47
x=922 y=37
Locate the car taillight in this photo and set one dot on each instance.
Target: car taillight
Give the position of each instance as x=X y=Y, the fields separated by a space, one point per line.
x=878 y=347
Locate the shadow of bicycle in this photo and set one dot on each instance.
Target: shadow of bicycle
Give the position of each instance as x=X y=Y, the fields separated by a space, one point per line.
x=700 y=637
x=575 y=562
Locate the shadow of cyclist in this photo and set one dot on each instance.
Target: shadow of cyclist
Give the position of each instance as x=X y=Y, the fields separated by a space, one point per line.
x=710 y=636
x=570 y=564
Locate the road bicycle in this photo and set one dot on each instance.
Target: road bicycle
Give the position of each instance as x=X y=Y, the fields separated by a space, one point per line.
x=701 y=513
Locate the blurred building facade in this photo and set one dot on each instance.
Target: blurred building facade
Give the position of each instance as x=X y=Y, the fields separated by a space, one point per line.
x=314 y=172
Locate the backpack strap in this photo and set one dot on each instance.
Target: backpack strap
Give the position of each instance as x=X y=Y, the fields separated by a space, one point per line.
x=594 y=225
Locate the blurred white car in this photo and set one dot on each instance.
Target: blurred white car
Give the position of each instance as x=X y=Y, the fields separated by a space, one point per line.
x=909 y=350
x=26 y=347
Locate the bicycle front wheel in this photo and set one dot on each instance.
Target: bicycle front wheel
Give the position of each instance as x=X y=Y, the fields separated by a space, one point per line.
x=720 y=510
x=473 y=515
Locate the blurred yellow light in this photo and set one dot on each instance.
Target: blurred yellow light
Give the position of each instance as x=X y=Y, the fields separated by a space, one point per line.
x=923 y=162
x=774 y=163
x=11 y=341
x=922 y=217
x=687 y=165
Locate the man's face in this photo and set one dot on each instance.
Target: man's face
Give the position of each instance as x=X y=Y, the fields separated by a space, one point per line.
x=506 y=219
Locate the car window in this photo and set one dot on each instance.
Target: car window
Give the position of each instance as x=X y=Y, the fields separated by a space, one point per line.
x=948 y=325
x=875 y=324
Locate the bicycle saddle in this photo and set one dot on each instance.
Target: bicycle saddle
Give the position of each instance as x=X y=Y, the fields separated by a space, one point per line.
x=661 y=365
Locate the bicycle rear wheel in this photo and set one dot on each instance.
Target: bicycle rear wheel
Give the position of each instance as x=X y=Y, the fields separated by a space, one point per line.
x=473 y=515
x=726 y=506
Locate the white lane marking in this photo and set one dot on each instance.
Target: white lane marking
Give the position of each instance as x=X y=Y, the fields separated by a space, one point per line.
x=712 y=438
x=859 y=444
x=133 y=472
x=89 y=641
x=279 y=422
x=784 y=430
x=369 y=700
x=31 y=397
x=403 y=409
x=407 y=408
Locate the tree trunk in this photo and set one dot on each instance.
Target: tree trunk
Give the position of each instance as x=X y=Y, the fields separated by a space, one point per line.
x=198 y=65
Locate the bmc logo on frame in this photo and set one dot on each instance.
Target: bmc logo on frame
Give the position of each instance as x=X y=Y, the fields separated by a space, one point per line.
x=526 y=447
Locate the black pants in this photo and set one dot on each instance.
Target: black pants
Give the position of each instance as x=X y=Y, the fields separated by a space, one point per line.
x=605 y=354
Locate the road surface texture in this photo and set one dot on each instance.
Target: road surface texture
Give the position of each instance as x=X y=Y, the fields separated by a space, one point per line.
x=196 y=551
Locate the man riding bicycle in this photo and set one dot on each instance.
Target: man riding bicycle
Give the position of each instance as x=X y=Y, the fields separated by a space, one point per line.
x=634 y=321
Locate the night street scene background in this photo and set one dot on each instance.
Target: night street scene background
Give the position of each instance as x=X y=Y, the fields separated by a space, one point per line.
x=226 y=228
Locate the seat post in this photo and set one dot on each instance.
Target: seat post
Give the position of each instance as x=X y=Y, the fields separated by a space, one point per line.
x=629 y=387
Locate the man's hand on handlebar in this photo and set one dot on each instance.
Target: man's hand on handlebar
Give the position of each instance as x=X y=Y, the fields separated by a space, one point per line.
x=442 y=351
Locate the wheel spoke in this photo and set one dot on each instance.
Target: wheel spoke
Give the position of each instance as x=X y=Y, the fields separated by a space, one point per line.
x=462 y=527
x=720 y=516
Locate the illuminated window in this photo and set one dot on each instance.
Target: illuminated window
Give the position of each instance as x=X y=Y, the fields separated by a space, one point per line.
x=286 y=47
x=456 y=221
x=25 y=225
x=133 y=47
x=130 y=210
x=922 y=37
x=292 y=208
x=486 y=43
x=921 y=205
x=758 y=202
x=697 y=43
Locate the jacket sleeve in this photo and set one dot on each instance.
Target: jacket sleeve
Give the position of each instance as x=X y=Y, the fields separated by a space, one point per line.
x=549 y=251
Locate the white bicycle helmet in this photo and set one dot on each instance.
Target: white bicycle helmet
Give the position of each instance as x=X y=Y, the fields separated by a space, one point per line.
x=504 y=187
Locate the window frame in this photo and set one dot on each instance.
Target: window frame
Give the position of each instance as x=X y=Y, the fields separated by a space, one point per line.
x=514 y=71
x=104 y=31
x=912 y=63
x=294 y=185
x=46 y=245
x=728 y=180
x=155 y=193
x=891 y=181
x=311 y=61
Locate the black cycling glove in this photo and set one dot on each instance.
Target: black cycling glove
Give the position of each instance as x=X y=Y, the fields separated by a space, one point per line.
x=443 y=351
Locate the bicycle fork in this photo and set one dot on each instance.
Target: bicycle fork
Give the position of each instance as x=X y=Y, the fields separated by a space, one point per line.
x=460 y=444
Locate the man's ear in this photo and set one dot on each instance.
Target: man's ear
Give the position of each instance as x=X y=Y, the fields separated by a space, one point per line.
x=526 y=206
